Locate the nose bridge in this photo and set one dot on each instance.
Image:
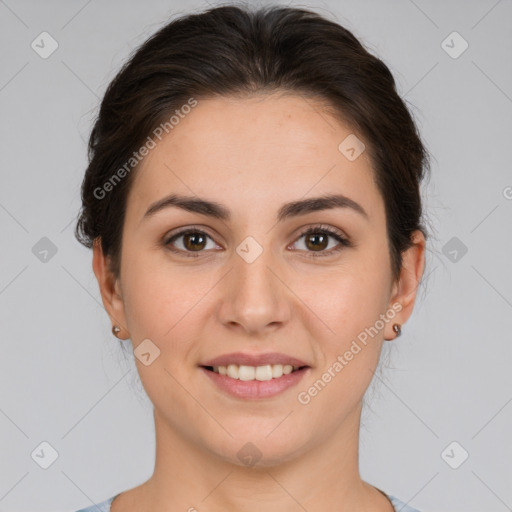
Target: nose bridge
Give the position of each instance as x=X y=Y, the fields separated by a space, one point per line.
x=254 y=278
x=254 y=297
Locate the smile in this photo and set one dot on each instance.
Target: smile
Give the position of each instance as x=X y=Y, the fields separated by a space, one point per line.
x=248 y=373
x=254 y=382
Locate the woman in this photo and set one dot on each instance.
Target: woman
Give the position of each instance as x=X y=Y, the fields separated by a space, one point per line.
x=253 y=204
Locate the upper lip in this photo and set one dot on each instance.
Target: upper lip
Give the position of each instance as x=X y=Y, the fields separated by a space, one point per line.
x=240 y=358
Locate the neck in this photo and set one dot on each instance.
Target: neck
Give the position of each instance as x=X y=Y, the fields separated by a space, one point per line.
x=323 y=477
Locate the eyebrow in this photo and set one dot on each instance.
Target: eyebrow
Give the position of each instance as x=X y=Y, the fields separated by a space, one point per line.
x=288 y=210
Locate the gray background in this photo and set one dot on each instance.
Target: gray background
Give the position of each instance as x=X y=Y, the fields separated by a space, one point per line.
x=63 y=377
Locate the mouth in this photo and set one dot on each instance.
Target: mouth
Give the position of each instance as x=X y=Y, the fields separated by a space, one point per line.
x=252 y=373
x=254 y=382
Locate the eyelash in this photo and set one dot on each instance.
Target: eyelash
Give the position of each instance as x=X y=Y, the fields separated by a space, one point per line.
x=343 y=242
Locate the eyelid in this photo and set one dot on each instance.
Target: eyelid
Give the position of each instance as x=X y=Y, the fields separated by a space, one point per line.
x=325 y=228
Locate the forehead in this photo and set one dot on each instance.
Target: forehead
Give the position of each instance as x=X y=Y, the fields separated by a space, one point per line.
x=254 y=149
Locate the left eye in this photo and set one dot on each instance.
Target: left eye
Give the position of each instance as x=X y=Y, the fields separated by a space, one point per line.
x=317 y=241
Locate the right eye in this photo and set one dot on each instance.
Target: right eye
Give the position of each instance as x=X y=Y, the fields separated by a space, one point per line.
x=194 y=241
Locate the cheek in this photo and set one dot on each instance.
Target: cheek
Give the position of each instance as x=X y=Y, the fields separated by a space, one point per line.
x=351 y=307
x=351 y=301
x=158 y=295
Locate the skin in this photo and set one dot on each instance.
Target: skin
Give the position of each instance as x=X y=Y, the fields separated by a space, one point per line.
x=253 y=155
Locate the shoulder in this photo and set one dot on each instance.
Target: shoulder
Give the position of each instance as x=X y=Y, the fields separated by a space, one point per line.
x=400 y=506
x=104 y=506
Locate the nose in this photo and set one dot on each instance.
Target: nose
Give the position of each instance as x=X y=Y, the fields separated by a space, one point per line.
x=254 y=297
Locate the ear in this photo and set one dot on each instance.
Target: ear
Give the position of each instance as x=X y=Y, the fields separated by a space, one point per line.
x=404 y=290
x=110 y=289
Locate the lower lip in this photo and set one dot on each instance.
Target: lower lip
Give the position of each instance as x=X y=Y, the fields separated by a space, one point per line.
x=254 y=389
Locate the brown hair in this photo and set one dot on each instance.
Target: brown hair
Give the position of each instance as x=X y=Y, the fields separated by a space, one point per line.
x=232 y=50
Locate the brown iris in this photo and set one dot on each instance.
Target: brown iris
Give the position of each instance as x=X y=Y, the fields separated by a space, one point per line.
x=194 y=241
x=319 y=241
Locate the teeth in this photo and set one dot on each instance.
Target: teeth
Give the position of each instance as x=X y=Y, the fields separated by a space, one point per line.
x=232 y=371
x=277 y=371
x=245 y=372
x=266 y=372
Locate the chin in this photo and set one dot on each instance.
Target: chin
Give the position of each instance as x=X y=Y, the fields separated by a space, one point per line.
x=261 y=452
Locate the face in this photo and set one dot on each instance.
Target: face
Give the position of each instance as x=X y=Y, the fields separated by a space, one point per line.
x=251 y=282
